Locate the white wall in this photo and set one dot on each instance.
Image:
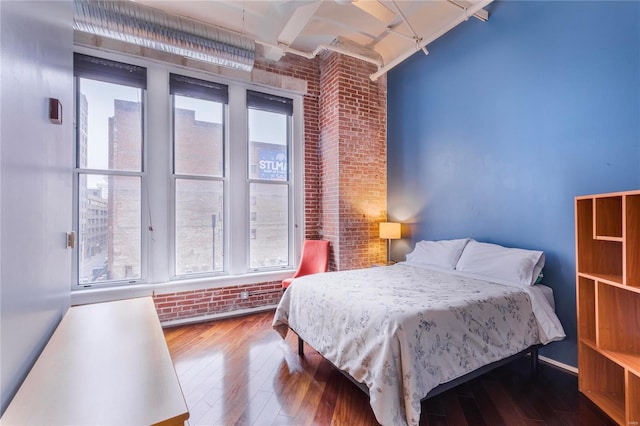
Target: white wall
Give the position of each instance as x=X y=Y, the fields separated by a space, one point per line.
x=35 y=181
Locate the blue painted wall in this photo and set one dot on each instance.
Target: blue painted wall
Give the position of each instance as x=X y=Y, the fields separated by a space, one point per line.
x=494 y=133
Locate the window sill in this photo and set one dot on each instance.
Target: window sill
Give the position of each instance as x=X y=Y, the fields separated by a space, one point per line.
x=83 y=296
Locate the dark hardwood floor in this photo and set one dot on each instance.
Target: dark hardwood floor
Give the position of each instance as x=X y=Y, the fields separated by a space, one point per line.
x=240 y=372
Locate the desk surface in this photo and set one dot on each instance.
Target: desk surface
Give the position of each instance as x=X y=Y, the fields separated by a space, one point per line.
x=106 y=363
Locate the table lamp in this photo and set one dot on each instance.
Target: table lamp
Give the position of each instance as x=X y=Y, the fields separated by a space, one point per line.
x=390 y=231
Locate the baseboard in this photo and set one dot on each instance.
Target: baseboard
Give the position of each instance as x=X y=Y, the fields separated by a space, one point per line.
x=221 y=315
x=561 y=365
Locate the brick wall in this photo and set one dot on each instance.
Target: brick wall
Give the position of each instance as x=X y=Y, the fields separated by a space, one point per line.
x=353 y=160
x=194 y=303
x=344 y=177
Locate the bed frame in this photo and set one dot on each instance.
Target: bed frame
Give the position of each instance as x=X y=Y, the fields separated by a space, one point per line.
x=531 y=350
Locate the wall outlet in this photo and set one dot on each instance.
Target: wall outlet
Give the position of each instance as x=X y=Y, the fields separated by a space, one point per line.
x=244 y=295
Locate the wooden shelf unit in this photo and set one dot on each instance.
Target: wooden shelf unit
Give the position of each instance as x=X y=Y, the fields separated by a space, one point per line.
x=608 y=302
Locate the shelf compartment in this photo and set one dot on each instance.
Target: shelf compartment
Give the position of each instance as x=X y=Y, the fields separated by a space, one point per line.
x=630 y=361
x=633 y=399
x=611 y=279
x=595 y=257
x=602 y=381
x=608 y=218
x=632 y=240
x=618 y=320
x=587 y=309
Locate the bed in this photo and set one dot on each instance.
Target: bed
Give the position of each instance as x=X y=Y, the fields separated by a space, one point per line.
x=405 y=331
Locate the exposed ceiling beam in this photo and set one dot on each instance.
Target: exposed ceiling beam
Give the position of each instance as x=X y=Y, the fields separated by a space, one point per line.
x=294 y=26
x=348 y=27
x=375 y=9
x=296 y=23
x=476 y=6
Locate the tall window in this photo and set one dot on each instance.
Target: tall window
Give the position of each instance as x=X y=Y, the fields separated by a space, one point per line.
x=109 y=169
x=269 y=140
x=198 y=174
x=180 y=178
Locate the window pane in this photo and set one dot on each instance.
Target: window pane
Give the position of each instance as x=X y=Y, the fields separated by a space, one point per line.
x=269 y=242
x=198 y=137
x=109 y=228
x=268 y=145
x=110 y=126
x=199 y=226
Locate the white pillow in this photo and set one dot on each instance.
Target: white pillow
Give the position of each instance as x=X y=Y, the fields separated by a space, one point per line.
x=510 y=266
x=442 y=254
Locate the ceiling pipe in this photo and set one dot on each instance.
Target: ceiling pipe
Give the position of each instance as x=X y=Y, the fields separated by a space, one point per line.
x=148 y=27
x=463 y=17
x=415 y=37
x=482 y=15
x=399 y=34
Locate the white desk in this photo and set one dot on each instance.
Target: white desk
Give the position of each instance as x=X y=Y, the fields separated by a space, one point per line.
x=106 y=363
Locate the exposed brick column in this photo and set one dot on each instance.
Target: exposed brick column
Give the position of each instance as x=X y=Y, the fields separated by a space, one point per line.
x=353 y=159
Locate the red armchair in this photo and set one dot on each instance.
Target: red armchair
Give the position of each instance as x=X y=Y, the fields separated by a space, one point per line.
x=314 y=259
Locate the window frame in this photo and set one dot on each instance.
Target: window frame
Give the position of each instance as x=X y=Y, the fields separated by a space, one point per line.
x=77 y=171
x=289 y=182
x=173 y=176
x=157 y=192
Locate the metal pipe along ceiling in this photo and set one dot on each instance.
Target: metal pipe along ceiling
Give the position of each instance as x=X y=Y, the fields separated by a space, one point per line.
x=152 y=28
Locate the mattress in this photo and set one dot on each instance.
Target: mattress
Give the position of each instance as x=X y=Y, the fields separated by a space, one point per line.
x=403 y=330
x=547 y=292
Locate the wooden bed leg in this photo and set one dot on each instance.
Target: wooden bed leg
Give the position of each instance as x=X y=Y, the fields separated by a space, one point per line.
x=300 y=347
x=534 y=361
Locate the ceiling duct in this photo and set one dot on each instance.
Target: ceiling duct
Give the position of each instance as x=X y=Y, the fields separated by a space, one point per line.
x=148 y=27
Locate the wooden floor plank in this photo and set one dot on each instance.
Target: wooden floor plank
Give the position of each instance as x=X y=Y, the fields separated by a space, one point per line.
x=327 y=404
x=347 y=410
x=488 y=410
x=269 y=412
x=239 y=371
x=505 y=405
x=453 y=409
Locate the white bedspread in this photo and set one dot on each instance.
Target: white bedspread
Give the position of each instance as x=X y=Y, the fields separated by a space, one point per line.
x=403 y=330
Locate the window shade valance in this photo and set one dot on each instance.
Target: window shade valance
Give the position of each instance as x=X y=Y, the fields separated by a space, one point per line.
x=196 y=88
x=271 y=103
x=86 y=66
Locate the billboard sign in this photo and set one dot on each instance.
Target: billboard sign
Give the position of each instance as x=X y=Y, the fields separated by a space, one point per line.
x=272 y=164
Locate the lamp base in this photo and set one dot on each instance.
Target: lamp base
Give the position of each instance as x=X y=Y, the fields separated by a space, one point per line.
x=393 y=262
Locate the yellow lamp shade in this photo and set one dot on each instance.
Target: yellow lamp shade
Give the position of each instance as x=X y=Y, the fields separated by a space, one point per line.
x=390 y=230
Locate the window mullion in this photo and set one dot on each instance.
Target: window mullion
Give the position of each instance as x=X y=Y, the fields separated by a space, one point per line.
x=296 y=180
x=238 y=193
x=158 y=161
